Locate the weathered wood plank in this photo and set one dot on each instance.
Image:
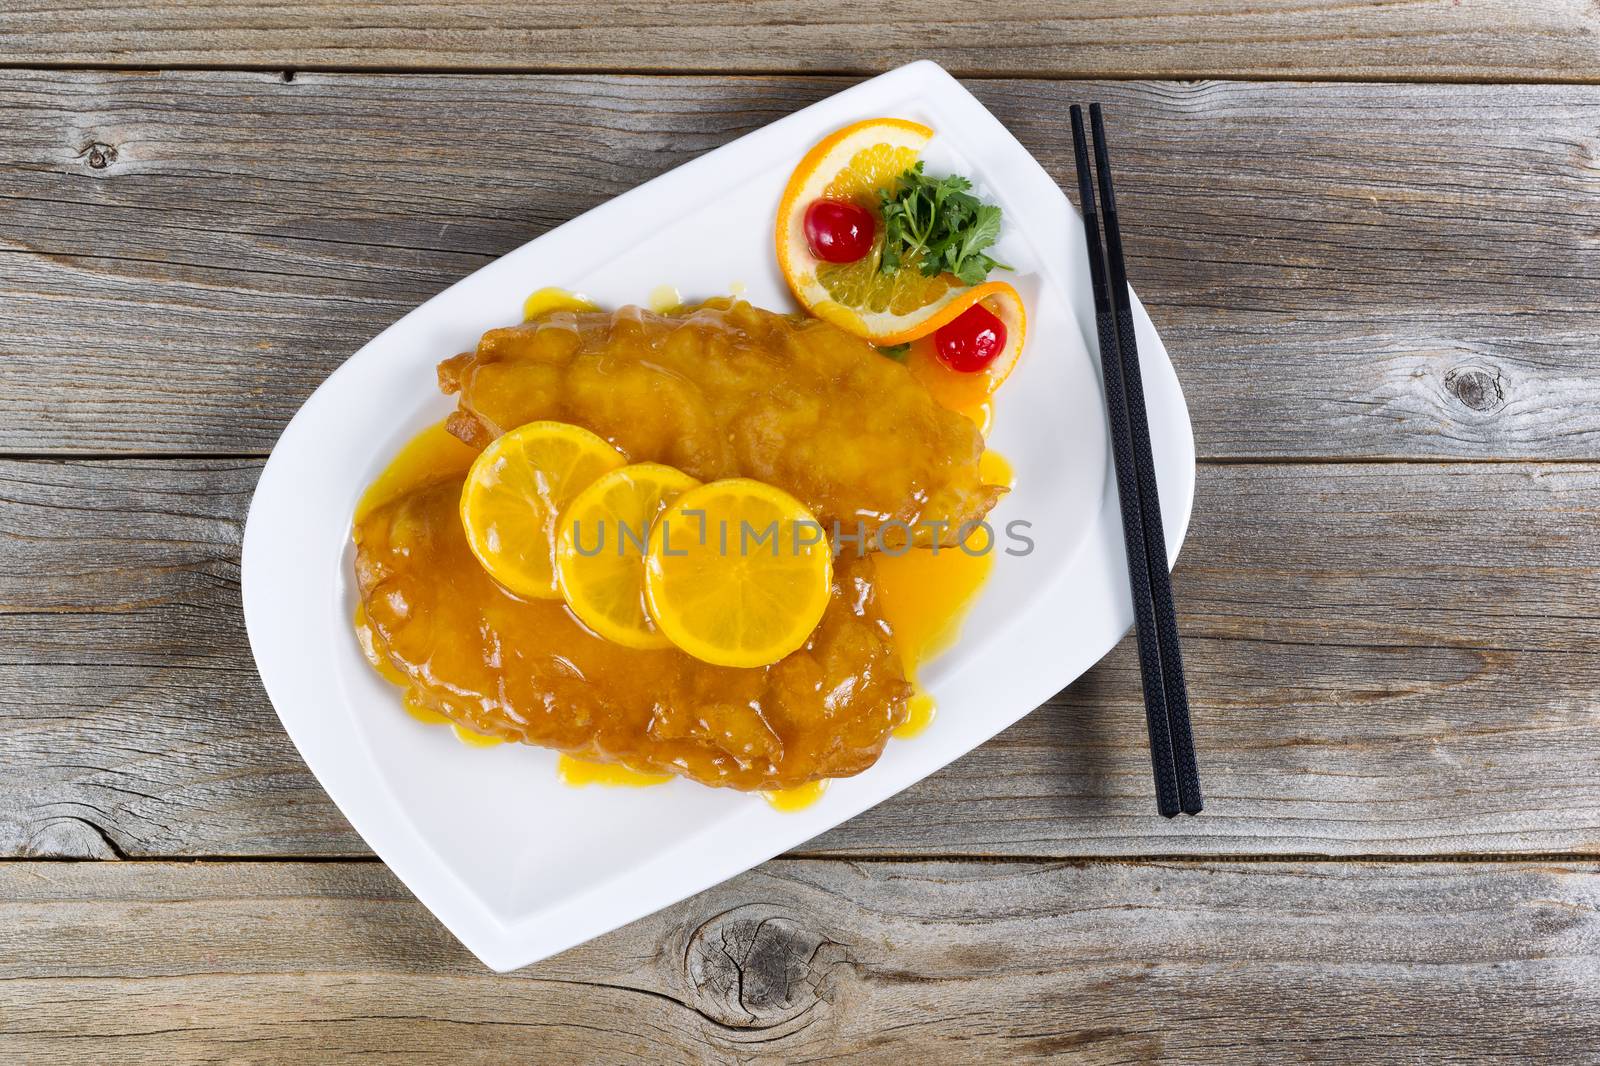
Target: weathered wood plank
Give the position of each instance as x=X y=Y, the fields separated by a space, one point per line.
x=1388 y=658
x=1478 y=40
x=807 y=961
x=1340 y=270
x=129 y=695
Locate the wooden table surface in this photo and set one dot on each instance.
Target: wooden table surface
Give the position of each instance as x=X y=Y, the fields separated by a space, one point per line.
x=1370 y=234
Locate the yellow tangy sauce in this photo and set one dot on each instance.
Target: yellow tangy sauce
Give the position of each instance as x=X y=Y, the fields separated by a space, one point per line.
x=996 y=470
x=664 y=299
x=475 y=740
x=920 y=710
x=579 y=772
x=983 y=414
x=432 y=454
x=798 y=798
x=424 y=714
x=385 y=668
x=551 y=299
x=968 y=394
x=923 y=594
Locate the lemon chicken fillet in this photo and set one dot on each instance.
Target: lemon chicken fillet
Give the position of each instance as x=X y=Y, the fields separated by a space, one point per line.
x=730 y=390
x=528 y=671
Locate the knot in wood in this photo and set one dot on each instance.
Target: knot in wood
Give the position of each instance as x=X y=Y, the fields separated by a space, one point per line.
x=753 y=967
x=99 y=156
x=1478 y=388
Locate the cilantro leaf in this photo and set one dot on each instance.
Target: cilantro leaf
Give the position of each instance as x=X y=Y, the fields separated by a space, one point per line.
x=972 y=271
x=980 y=234
x=938 y=224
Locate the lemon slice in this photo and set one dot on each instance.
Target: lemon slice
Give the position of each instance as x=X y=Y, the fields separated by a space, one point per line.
x=600 y=543
x=515 y=492
x=737 y=573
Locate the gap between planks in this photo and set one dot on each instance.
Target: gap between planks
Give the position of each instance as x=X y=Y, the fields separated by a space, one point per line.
x=914 y=858
x=964 y=73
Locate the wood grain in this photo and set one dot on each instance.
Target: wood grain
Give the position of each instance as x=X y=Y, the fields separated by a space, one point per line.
x=809 y=961
x=1390 y=659
x=1351 y=271
x=1385 y=658
x=130 y=696
x=1478 y=40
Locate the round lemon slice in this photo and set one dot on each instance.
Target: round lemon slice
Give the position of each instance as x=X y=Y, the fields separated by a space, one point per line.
x=737 y=573
x=515 y=492
x=600 y=543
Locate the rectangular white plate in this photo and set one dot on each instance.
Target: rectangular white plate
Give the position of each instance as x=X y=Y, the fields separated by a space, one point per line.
x=574 y=863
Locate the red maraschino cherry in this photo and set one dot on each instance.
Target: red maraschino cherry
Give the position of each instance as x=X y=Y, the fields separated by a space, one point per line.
x=971 y=341
x=839 y=232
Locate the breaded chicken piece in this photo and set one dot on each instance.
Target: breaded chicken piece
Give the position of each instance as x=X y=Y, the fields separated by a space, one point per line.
x=529 y=671
x=729 y=390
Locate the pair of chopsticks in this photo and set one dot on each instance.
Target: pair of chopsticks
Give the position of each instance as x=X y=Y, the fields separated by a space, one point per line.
x=1166 y=697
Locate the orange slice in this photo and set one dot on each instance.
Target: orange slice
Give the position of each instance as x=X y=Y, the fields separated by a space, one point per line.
x=969 y=393
x=600 y=550
x=514 y=493
x=852 y=165
x=738 y=573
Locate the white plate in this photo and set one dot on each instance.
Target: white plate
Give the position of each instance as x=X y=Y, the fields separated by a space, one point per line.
x=574 y=863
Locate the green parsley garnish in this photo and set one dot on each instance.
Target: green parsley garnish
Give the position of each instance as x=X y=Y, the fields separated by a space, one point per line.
x=940 y=224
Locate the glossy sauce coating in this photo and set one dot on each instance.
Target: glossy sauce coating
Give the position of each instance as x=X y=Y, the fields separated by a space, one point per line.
x=528 y=671
x=729 y=390
x=921 y=594
x=501 y=668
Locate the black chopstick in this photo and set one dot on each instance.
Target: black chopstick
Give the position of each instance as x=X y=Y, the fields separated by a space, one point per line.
x=1166 y=700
